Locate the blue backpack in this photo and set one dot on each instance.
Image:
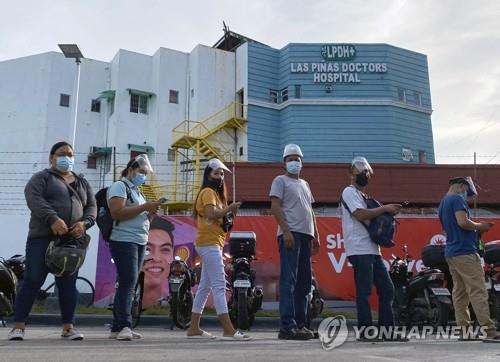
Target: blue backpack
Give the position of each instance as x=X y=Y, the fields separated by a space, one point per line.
x=381 y=228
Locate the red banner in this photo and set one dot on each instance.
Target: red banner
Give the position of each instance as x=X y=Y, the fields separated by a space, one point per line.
x=331 y=267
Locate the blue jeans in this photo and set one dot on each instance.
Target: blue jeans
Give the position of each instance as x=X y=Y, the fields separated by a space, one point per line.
x=370 y=270
x=34 y=278
x=128 y=258
x=295 y=280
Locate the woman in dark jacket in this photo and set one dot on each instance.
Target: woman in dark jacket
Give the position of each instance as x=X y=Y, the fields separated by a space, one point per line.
x=56 y=211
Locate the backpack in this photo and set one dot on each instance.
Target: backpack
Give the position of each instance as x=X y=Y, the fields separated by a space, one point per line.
x=104 y=220
x=381 y=228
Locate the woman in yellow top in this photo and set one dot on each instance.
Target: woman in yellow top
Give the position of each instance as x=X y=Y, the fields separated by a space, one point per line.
x=209 y=208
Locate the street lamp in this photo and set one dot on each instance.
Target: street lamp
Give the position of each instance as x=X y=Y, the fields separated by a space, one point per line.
x=72 y=51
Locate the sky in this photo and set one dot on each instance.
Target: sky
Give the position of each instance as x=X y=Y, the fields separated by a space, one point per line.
x=460 y=38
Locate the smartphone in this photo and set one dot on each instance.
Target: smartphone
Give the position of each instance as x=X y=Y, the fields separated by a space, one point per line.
x=162 y=200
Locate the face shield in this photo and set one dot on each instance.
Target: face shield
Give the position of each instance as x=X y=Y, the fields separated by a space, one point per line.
x=143 y=162
x=361 y=164
x=466 y=180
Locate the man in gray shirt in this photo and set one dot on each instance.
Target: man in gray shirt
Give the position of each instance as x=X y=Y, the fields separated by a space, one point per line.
x=291 y=205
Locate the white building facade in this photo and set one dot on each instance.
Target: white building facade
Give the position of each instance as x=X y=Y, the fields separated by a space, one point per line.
x=126 y=106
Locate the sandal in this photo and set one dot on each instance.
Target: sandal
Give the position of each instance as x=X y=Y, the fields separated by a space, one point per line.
x=238 y=336
x=203 y=335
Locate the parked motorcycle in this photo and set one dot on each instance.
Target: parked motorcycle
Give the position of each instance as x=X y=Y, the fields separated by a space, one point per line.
x=421 y=298
x=180 y=281
x=433 y=256
x=492 y=275
x=246 y=298
x=11 y=272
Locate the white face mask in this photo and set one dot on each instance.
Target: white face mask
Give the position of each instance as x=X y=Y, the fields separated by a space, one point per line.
x=294 y=167
x=65 y=163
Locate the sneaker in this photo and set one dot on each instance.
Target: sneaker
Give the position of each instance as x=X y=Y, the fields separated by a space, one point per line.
x=287 y=334
x=304 y=334
x=71 y=335
x=125 y=334
x=16 y=334
x=135 y=335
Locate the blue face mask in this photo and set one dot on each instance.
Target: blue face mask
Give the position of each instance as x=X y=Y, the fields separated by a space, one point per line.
x=139 y=179
x=294 y=167
x=464 y=195
x=65 y=163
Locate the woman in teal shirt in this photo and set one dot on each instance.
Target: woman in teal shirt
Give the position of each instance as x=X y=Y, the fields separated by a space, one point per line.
x=128 y=239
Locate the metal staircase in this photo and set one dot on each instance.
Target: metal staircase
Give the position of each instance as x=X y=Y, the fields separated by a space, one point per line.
x=195 y=142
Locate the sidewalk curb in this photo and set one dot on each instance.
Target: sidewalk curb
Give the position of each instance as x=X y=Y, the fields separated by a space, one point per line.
x=96 y=320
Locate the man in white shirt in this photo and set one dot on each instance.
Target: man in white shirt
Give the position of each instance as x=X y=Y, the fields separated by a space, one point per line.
x=362 y=252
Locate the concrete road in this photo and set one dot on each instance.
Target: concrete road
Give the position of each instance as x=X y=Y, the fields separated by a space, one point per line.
x=44 y=344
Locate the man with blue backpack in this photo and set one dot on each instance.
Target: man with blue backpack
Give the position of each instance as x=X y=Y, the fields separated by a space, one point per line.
x=367 y=225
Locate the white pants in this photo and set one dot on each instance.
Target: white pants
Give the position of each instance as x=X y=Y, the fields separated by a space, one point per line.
x=212 y=279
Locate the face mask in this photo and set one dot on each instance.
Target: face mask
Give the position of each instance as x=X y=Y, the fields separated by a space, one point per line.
x=216 y=183
x=362 y=179
x=65 y=163
x=464 y=195
x=139 y=179
x=294 y=167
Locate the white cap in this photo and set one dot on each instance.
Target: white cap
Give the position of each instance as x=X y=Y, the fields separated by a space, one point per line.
x=292 y=149
x=215 y=164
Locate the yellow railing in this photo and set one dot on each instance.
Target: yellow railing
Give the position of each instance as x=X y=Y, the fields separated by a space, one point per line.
x=203 y=129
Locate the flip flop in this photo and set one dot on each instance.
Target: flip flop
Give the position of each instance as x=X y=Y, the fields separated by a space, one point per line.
x=203 y=335
x=238 y=336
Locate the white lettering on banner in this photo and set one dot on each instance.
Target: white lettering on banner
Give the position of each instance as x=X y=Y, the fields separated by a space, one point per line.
x=344 y=72
x=338 y=259
x=334 y=241
x=338 y=265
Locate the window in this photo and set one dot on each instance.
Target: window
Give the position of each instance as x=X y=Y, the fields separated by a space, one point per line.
x=298 y=91
x=138 y=103
x=192 y=93
x=91 y=162
x=417 y=98
x=95 y=106
x=284 y=94
x=401 y=95
x=173 y=96
x=171 y=154
x=241 y=151
x=422 y=156
x=64 y=100
x=273 y=93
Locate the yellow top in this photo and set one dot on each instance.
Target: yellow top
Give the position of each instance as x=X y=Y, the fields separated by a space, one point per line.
x=209 y=232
